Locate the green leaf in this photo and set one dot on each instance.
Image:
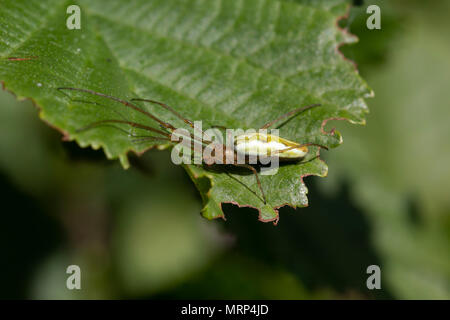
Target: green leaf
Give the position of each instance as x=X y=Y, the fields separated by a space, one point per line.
x=234 y=63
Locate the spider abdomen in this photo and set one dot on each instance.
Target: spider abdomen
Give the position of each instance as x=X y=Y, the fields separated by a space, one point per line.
x=267 y=145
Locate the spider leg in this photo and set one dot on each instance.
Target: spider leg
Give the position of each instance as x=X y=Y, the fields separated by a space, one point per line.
x=177 y=114
x=288 y=114
x=257 y=178
x=123 y=102
x=91 y=102
x=165 y=106
x=163 y=124
x=132 y=124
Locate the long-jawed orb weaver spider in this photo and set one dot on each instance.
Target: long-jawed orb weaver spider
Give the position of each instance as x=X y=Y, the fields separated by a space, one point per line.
x=253 y=144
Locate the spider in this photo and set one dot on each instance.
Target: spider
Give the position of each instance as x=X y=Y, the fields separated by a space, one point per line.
x=247 y=144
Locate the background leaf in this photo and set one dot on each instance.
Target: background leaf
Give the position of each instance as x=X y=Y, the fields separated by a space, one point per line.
x=234 y=63
x=401 y=182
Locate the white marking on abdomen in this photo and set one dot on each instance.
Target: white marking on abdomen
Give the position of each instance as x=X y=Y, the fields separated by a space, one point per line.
x=262 y=148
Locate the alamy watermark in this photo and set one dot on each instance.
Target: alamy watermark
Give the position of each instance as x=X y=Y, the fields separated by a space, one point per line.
x=74 y=280
x=74 y=20
x=374 y=280
x=374 y=20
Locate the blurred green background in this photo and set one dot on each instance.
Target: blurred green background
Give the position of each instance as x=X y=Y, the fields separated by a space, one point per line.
x=138 y=233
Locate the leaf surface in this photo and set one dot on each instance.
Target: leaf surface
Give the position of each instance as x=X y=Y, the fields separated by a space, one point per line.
x=237 y=64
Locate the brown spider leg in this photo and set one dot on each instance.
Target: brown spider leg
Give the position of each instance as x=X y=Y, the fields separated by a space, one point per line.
x=110 y=126
x=244 y=185
x=105 y=123
x=177 y=114
x=163 y=124
x=288 y=114
x=92 y=102
x=143 y=138
x=125 y=103
x=187 y=121
x=257 y=178
x=132 y=124
x=253 y=171
x=22 y=58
